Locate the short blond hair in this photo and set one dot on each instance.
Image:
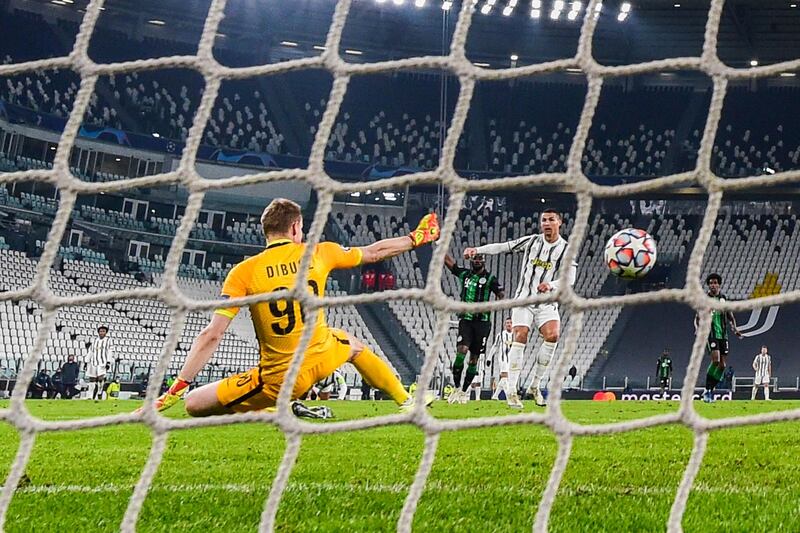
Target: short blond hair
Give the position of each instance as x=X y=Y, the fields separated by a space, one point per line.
x=279 y=216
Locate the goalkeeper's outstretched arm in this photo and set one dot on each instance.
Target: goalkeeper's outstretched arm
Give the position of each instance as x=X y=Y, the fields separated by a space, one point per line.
x=426 y=231
x=203 y=347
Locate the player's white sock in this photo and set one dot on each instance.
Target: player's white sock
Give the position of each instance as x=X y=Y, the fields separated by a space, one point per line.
x=90 y=390
x=543 y=358
x=477 y=394
x=766 y=393
x=753 y=394
x=514 y=367
x=502 y=386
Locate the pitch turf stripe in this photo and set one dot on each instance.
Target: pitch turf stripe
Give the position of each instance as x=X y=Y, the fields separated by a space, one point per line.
x=396 y=488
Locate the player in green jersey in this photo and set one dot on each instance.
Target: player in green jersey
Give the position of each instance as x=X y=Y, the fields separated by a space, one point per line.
x=477 y=285
x=717 y=344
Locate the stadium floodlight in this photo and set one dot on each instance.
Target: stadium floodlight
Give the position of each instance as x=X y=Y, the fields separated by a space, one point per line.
x=68 y=1
x=512 y=3
x=598 y=7
x=536 y=13
x=486 y=9
x=514 y=57
x=290 y=44
x=398 y=2
x=420 y=3
x=57 y=2
x=554 y=14
x=446 y=5
x=754 y=62
x=676 y=5
x=380 y=1
x=622 y=16
x=155 y=22
x=558 y=5
x=507 y=11
x=572 y=15
x=788 y=74
x=536 y=4
x=479 y=64
x=319 y=47
x=353 y=52
x=625 y=7
x=156 y=135
x=577 y=6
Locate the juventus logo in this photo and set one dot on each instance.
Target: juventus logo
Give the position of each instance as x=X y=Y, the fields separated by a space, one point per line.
x=752 y=328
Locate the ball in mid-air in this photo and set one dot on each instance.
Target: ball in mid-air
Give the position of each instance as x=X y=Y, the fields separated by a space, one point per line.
x=630 y=253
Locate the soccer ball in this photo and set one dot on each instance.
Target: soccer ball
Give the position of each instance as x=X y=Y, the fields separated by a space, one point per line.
x=630 y=253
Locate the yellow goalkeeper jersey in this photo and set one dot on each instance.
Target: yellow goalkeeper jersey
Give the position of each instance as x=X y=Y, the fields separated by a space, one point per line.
x=279 y=324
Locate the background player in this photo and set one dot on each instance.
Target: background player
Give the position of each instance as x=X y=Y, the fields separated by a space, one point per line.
x=717 y=345
x=499 y=358
x=279 y=324
x=477 y=284
x=762 y=364
x=544 y=254
x=99 y=357
x=664 y=370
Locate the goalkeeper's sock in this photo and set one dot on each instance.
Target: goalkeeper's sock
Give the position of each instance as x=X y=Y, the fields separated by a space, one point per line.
x=472 y=371
x=458 y=368
x=753 y=393
x=514 y=367
x=766 y=392
x=379 y=375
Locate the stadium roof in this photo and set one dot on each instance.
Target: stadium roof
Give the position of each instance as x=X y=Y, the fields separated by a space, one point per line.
x=765 y=31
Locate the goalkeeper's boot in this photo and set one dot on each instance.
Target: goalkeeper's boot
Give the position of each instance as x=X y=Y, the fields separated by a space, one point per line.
x=409 y=404
x=514 y=402
x=427 y=231
x=301 y=411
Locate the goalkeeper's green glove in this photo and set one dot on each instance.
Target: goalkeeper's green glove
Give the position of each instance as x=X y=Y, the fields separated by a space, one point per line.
x=427 y=231
x=173 y=394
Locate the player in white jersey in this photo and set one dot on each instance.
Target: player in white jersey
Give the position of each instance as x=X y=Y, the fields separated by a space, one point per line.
x=99 y=358
x=499 y=357
x=762 y=364
x=541 y=267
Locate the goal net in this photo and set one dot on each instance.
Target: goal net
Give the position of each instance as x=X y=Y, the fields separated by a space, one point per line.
x=457 y=64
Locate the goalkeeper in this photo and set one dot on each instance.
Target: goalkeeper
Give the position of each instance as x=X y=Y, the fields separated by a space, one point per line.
x=279 y=324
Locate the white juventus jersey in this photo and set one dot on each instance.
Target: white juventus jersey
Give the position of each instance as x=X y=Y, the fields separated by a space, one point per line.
x=761 y=364
x=100 y=352
x=542 y=263
x=501 y=346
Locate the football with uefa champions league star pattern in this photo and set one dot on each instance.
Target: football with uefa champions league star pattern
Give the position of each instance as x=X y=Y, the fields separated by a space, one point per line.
x=630 y=253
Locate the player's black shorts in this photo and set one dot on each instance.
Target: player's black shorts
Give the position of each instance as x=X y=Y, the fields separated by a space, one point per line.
x=718 y=344
x=473 y=334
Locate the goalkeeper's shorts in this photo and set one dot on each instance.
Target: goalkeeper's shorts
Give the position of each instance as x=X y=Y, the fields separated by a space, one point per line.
x=255 y=389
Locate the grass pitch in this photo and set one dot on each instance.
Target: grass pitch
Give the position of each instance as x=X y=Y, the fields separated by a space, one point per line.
x=490 y=479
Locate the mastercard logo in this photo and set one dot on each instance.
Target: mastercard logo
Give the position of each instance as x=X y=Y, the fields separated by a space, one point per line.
x=604 y=396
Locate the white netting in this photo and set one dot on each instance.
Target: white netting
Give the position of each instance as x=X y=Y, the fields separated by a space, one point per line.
x=458 y=64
